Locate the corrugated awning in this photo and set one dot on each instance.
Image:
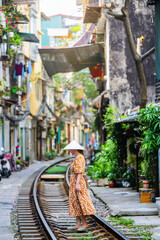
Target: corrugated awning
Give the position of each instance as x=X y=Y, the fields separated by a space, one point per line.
x=96 y=103
x=73 y=59
x=128 y=119
x=28 y=37
x=44 y=17
x=92 y=14
x=86 y=36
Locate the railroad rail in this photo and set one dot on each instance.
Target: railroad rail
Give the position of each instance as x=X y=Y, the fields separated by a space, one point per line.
x=43 y=211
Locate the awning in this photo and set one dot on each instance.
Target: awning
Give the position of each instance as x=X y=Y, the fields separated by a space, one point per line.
x=28 y=37
x=96 y=103
x=44 y=17
x=86 y=36
x=128 y=119
x=92 y=14
x=73 y=59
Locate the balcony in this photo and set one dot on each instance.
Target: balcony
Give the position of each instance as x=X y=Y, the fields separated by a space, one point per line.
x=92 y=9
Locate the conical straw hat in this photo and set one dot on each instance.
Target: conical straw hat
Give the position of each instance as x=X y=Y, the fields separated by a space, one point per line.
x=74 y=145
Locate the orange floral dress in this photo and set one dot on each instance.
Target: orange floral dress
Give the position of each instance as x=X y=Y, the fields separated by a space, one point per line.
x=80 y=202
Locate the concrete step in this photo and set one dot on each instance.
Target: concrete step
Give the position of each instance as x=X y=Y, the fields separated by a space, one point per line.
x=139 y=212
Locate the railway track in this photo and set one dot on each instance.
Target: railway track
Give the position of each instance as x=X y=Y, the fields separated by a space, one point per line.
x=43 y=212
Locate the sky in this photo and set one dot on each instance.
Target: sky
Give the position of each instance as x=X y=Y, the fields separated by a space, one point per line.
x=51 y=7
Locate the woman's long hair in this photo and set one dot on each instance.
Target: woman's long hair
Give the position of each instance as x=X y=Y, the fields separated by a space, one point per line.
x=81 y=152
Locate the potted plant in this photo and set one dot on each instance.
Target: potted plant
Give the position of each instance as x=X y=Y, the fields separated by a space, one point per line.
x=98 y=171
x=50 y=155
x=27 y=161
x=129 y=178
x=111 y=179
x=149 y=123
x=101 y=175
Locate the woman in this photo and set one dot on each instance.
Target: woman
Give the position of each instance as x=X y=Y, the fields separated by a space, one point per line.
x=80 y=203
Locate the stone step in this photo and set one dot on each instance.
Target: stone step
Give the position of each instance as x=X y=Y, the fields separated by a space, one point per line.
x=139 y=212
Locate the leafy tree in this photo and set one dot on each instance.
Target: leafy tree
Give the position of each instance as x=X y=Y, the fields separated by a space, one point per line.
x=85 y=80
x=80 y=84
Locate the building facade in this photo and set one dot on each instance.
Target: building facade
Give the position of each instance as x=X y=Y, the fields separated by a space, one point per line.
x=120 y=72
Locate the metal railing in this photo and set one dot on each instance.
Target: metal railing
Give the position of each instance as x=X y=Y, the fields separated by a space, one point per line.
x=49 y=232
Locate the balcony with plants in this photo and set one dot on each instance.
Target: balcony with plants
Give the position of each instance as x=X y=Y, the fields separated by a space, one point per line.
x=10 y=40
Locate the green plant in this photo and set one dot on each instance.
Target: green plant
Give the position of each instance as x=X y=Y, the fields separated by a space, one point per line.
x=129 y=176
x=12 y=16
x=106 y=162
x=27 y=158
x=111 y=176
x=149 y=120
x=16 y=89
x=97 y=170
x=50 y=155
x=139 y=230
x=122 y=221
x=51 y=134
x=109 y=119
x=16 y=40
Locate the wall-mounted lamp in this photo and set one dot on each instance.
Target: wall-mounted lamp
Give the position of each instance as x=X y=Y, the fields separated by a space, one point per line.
x=4 y=48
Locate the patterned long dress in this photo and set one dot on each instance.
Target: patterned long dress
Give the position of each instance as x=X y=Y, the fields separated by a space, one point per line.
x=80 y=202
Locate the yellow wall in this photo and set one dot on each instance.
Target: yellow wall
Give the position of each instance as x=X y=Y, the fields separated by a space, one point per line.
x=36 y=97
x=85 y=3
x=36 y=93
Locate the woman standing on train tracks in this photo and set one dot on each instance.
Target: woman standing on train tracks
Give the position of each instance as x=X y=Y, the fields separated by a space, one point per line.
x=80 y=203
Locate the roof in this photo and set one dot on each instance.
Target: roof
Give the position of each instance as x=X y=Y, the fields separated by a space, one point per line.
x=44 y=17
x=86 y=36
x=128 y=119
x=71 y=59
x=96 y=103
x=28 y=37
x=60 y=14
x=92 y=14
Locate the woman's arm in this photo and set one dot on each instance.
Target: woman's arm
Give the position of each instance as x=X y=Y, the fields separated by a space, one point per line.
x=79 y=175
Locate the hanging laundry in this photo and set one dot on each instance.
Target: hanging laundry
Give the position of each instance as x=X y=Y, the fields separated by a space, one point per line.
x=29 y=68
x=25 y=68
x=18 y=69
